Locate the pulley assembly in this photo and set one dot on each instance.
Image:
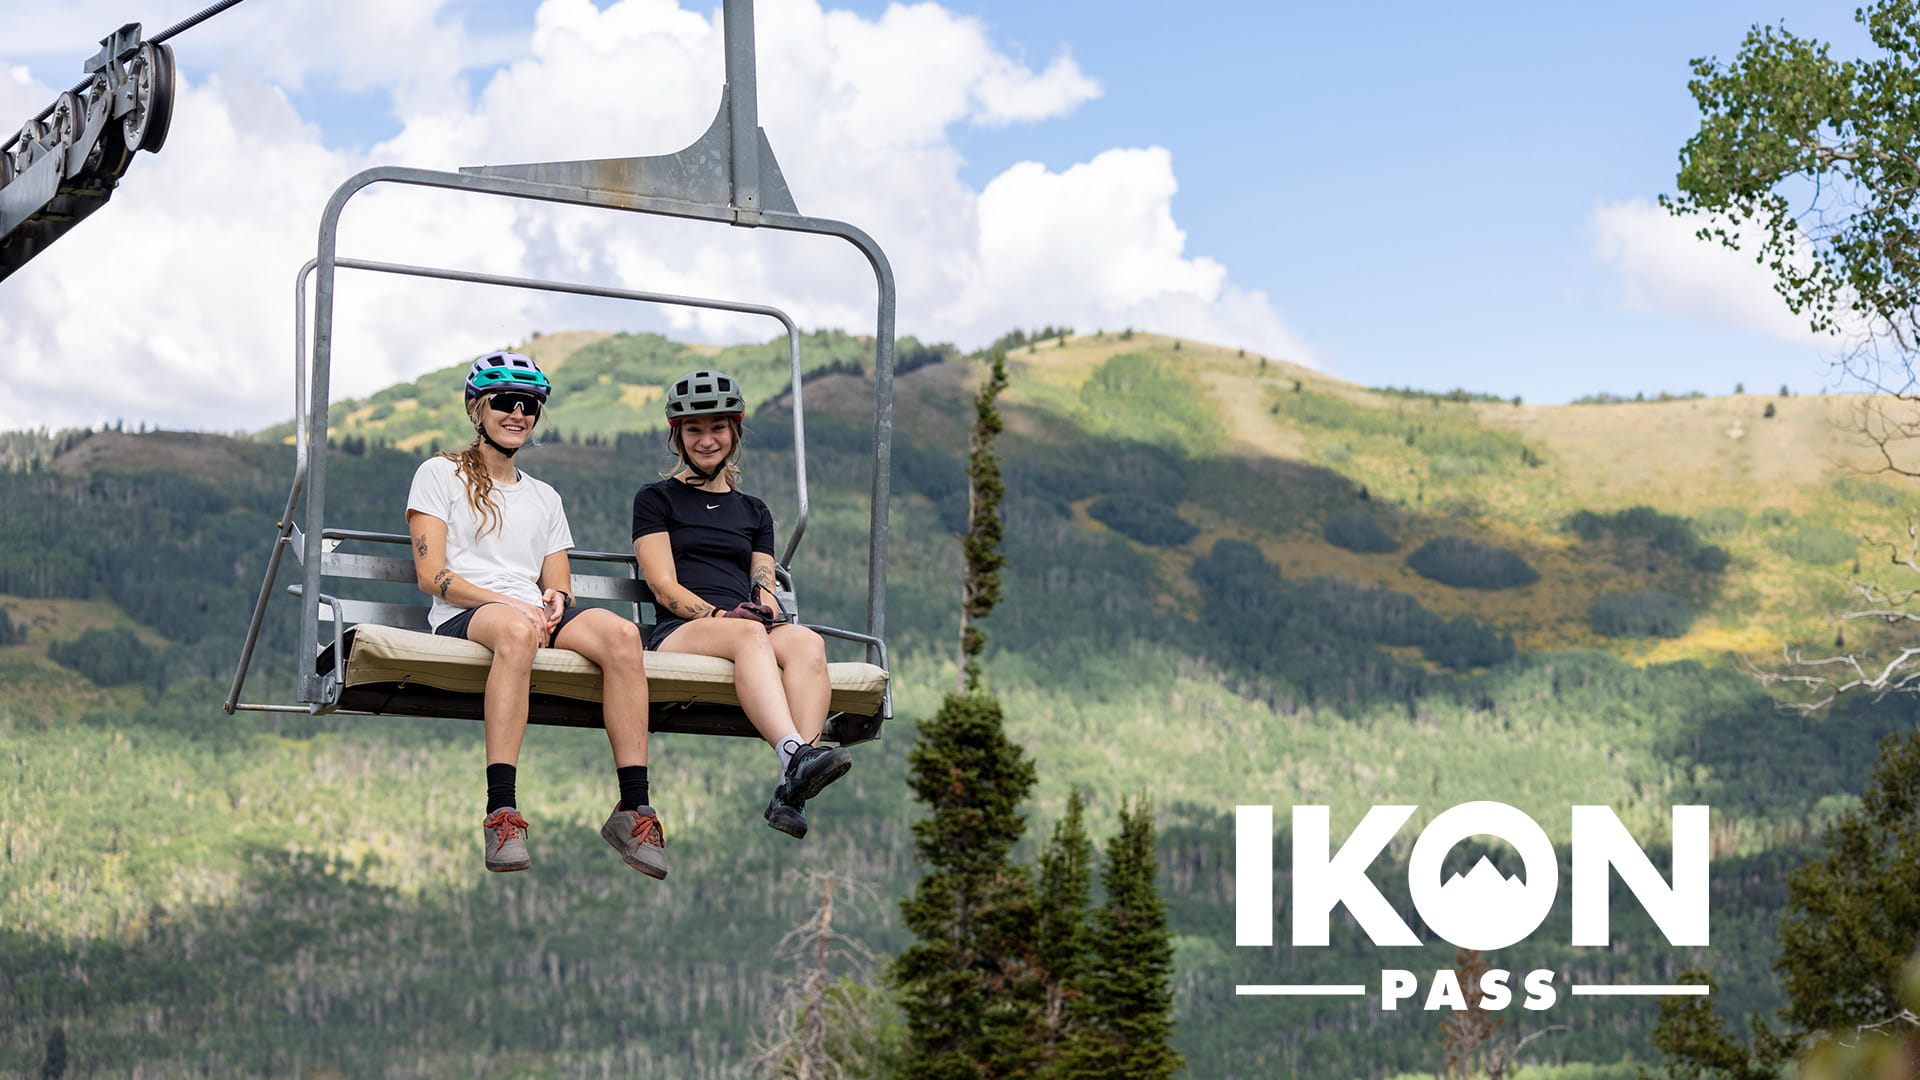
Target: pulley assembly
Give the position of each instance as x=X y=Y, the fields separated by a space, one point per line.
x=64 y=163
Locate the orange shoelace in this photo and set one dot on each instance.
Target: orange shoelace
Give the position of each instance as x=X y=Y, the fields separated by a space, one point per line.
x=509 y=824
x=646 y=827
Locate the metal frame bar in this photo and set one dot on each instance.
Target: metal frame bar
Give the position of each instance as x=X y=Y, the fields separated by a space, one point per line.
x=328 y=262
x=644 y=296
x=290 y=533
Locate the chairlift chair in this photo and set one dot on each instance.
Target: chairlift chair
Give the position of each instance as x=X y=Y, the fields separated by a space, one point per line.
x=378 y=658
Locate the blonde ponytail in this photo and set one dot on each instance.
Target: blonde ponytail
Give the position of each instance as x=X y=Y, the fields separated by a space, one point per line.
x=472 y=470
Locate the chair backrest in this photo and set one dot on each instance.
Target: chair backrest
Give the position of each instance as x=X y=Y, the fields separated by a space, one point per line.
x=625 y=587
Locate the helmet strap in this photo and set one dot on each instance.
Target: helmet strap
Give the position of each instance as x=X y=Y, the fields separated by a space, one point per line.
x=506 y=452
x=701 y=477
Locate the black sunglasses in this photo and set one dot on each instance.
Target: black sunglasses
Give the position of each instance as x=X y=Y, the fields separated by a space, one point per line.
x=506 y=403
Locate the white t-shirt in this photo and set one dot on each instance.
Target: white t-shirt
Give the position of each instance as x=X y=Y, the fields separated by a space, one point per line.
x=532 y=526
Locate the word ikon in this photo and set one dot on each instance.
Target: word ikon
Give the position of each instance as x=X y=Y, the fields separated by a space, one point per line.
x=1482 y=909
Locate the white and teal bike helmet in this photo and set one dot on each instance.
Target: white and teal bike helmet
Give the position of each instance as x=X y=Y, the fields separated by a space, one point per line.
x=507 y=371
x=502 y=372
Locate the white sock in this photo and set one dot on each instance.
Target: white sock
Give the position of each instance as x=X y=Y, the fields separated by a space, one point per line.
x=789 y=745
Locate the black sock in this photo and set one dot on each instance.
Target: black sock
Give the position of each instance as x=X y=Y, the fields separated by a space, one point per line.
x=633 y=786
x=500 y=780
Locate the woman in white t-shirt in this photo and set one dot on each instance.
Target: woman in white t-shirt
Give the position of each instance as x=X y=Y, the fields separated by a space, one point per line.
x=490 y=547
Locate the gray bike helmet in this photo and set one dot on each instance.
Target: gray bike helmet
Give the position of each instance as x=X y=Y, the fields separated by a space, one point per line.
x=704 y=393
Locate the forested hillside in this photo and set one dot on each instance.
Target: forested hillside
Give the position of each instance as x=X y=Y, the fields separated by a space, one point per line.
x=1230 y=581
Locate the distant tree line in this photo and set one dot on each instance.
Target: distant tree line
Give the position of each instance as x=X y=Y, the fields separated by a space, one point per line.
x=1604 y=398
x=1458 y=395
x=1465 y=563
x=1358 y=531
x=1660 y=538
x=1321 y=637
x=1017 y=337
x=111 y=657
x=1640 y=613
x=1145 y=520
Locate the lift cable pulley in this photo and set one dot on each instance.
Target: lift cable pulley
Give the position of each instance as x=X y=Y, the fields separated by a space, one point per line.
x=65 y=162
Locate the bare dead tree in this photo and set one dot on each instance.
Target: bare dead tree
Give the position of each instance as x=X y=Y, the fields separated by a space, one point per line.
x=1905 y=1020
x=1888 y=424
x=811 y=1033
x=1463 y=1033
x=1500 y=1060
x=1815 y=682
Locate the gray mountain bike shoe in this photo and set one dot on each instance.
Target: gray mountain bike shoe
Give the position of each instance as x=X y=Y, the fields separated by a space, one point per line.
x=636 y=835
x=505 y=832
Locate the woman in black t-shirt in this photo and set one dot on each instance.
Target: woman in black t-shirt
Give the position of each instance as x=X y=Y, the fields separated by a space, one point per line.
x=706 y=551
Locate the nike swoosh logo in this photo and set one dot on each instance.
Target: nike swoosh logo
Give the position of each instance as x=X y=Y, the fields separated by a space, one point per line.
x=713 y=506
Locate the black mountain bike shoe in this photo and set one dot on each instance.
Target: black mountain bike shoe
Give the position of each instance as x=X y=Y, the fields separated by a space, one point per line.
x=808 y=773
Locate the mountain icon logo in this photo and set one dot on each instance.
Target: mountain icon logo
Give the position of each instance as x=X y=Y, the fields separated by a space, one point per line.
x=1484 y=887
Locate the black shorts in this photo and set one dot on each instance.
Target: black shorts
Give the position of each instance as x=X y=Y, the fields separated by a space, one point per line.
x=668 y=625
x=660 y=631
x=457 y=626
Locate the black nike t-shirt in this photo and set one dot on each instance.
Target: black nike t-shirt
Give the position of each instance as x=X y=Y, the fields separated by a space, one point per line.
x=714 y=537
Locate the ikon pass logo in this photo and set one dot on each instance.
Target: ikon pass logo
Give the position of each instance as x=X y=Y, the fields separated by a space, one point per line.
x=1482 y=909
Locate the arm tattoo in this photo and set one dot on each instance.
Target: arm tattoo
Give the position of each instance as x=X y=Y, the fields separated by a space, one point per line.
x=763 y=578
x=443 y=579
x=689 y=611
x=420 y=545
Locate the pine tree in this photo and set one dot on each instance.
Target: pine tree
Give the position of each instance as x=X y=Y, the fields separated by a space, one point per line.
x=1063 y=929
x=1124 y=1020
x=1847 y=944
x=980 y=587
x=968 y=986
x=54 y=1065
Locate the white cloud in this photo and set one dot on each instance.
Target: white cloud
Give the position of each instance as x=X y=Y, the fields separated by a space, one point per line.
x=1010 y=93
x=1666 y=269
x=1097 y=247
x=173 y=304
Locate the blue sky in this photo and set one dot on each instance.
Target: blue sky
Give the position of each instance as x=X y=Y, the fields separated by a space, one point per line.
x=1433 y=195
x=1413 y=183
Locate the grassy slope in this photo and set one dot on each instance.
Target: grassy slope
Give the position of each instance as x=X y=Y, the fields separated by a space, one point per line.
x=297 y=813
x=1680 y=457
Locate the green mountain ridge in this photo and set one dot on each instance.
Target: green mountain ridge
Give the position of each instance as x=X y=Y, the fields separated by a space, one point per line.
x=313 y=884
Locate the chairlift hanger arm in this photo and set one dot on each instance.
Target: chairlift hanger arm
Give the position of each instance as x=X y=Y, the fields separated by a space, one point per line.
x=730 y=177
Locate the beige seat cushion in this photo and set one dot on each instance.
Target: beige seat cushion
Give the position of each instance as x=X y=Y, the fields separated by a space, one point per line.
x=385 y=654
